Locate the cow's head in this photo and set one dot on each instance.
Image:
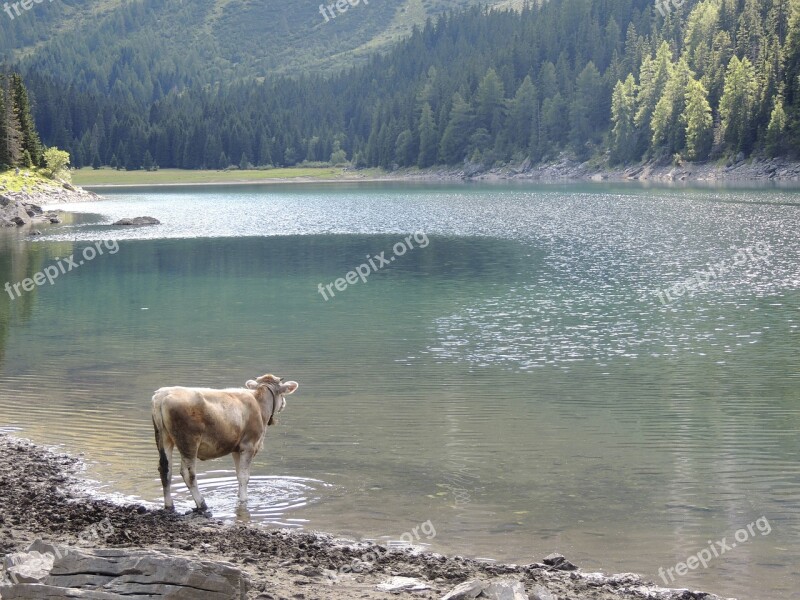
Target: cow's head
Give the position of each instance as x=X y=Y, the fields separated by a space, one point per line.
x=277 y=386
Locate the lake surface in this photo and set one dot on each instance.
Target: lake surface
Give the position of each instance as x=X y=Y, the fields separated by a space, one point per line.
x=518 y=381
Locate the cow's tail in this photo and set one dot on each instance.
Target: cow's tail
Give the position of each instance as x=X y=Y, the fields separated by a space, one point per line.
x=161 y=432
x=158 y=422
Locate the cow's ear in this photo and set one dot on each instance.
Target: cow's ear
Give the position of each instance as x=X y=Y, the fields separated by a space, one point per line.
x=289 y=387
x=251 y=384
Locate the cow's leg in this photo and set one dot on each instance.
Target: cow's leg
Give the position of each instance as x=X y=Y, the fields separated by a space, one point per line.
x=165 y=470
x=189 y=473
x=242 y=462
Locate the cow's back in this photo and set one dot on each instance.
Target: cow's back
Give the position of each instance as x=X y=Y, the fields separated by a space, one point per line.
x=206 y=422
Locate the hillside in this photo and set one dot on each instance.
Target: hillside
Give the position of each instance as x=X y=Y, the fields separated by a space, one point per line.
x=144 y=49
x=610 y=80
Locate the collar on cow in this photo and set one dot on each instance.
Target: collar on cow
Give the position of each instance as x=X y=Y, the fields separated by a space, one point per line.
x=274 y=406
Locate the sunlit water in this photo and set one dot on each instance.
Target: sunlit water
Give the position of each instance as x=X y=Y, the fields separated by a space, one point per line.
x=518 y=382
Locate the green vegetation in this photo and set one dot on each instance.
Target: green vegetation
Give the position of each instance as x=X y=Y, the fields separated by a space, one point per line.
x=143 y=49
x=28 y=180
x=594 y=78
x=90 y=177
x=19 y=140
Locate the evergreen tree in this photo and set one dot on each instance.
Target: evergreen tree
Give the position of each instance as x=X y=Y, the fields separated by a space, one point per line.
x=428 y=138
x=490 y=103
x=521 y=110
x=668 y=135
x=698 y=121
x=775 y=144
x=737 y=104
x=456 y=135
x=585 y=117
x=29 y=138
x=623 y=114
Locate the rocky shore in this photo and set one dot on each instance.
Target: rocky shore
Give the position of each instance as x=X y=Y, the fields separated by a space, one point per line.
x=57 y=542
x=566 y=168
x=22 y=208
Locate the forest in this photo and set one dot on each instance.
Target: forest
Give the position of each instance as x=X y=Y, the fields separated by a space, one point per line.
x=612 y=80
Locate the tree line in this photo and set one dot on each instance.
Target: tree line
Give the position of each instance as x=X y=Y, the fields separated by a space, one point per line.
x=20 y=145
x=612 y=79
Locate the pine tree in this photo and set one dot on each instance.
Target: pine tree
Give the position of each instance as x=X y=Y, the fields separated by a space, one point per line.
x=453 y=146
x=428 y=138
x=5 y=157
x=668 y=136
x=775 y=145
x=489 y=103
x=584 y=114
x=737 y=104
x=11 y=125
x=623 y=113
x=521 y=110
x=698 y=121
x=29 y=138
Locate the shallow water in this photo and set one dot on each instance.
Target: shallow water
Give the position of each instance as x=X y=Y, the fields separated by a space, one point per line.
x=517 y=382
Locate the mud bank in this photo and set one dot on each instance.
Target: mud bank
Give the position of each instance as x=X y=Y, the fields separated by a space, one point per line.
x=41 y=498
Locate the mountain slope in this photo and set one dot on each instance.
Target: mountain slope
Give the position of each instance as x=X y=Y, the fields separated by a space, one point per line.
x=171 y=44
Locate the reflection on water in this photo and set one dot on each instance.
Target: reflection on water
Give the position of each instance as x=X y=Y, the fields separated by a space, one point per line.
x=517 y=382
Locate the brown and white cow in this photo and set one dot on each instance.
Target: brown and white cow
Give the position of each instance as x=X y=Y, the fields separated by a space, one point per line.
x=205 y=423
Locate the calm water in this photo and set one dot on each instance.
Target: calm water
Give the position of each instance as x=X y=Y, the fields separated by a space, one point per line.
x=517 y=382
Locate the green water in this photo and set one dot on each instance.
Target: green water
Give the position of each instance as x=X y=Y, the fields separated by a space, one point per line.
x=517 y=381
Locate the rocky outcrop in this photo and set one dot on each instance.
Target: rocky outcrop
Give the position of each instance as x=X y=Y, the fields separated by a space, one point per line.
x=14 y=213
x=137 y=222
x=49 y=571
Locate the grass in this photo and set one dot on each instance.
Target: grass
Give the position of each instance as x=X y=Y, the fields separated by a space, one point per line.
x=106 y=176
x=27 y=180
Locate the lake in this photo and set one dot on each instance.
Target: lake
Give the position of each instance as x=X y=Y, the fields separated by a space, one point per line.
x=608 y=371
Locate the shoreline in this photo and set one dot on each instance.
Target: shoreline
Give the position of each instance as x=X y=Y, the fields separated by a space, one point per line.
x=40 y=499
x=562 y=170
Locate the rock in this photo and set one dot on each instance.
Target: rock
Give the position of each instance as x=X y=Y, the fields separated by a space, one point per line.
x=34 y=232
x=505 y=590
x=466 y=590
x=27 y=567
x=541 y=593
x=15 y=213
x=558 y=562
x=136 y=221
x=33 y=209
x=4 y=201
x=403 y=584
x=64 y=572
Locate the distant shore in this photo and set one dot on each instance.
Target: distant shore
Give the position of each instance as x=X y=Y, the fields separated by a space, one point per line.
x=40 y=498
x=564 y=169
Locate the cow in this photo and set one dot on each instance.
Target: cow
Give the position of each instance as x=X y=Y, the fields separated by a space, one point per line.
x=206 y=423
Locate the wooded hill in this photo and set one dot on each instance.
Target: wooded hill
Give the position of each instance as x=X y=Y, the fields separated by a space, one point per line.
x=608 y=78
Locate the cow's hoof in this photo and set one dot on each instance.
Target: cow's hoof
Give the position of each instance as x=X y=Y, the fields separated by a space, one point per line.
x=170 y=508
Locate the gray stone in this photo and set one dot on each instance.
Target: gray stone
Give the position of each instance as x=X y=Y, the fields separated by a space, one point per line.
x=505 y=590
x=27 y=567
x=403 y=584
x=136 y=221
x=541 y=593
x=118 y=573
x=16 y=213
x=557 y=562
x=466 y=590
